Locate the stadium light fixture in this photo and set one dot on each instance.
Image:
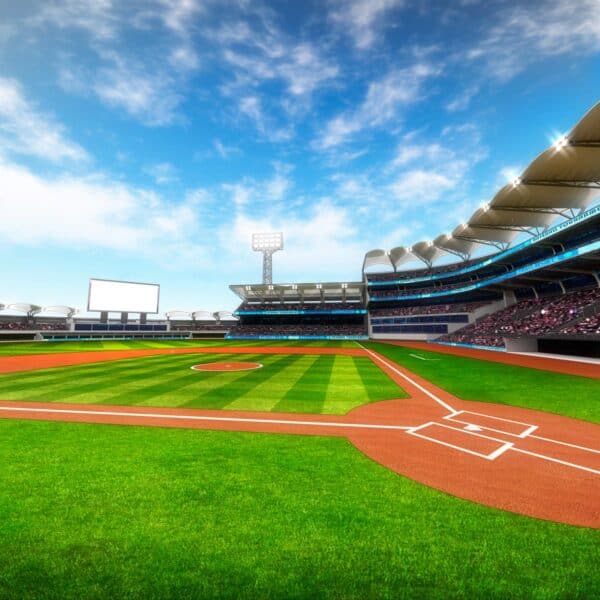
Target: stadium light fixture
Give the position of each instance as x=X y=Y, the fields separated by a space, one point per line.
x=560 y=143
x=267 y=244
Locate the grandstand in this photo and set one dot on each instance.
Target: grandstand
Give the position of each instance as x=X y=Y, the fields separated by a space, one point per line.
x=521 y=274
x=301 y=311
x=27 y=322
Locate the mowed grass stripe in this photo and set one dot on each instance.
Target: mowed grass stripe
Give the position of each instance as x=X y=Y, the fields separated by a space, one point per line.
x=272 y=389
x=89 y=385
x=293 y=383
x=51 y=375
x=377 y=384
x=308 y=395
x=70 y=381
x=235 y=384
x=144 y=386
x=162 y=389
x=345 y=385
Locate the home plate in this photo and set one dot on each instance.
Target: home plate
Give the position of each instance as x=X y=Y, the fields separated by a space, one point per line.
x=472 y=428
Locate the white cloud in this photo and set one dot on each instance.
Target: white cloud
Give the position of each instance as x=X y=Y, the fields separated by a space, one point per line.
x=305 y=70
x=408 y=153
x=361 y=18
x=462 y=100
x=148 y=84
x=240 y=194
x=251 y=107
x=179 y=14
x=162 y=173
x=382 y=103
x=422 y=186
x=321 y=245
x=151 y=97
x=25 y=130
x=224 y=151
x=535 y=31
x=277 y=187
x=96 y=17
x=259 y=194
x=426 y=172
x=267 y=55
x=184 y=58
x=72 y=212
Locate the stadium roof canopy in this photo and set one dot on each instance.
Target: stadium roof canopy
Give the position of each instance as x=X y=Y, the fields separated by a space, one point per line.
x=28 y=309
x=222 y=315
x=66 y=311
x=198 y=315
x=560 y=181
x=295 y=292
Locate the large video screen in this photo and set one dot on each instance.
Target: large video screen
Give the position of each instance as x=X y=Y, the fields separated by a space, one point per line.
x=123 y=296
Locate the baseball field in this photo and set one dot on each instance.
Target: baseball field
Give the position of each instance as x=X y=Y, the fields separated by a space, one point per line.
x=295 y=470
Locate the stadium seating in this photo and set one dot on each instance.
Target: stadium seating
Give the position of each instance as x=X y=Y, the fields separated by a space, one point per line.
x=414 y=291
x=305 y=306
x=527 y=317
x=435 y=309
x=586 y=326
x=318 y=329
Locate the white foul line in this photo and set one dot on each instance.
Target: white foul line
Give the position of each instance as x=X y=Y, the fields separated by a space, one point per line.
x=556 y=460
x=420 y=387
x=108 y=413
x=422 y=357
x=545 y=439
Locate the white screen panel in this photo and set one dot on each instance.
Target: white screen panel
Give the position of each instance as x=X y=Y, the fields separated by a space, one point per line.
x=123 y=296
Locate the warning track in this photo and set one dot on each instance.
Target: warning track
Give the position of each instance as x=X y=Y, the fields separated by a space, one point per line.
x=515 y=459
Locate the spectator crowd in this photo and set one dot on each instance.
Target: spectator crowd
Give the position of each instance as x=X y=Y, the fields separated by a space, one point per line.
x=322 y=329
x=530 y=317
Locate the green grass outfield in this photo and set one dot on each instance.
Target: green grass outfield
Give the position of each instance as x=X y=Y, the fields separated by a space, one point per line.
x=102 y=511
x=16 y=348
x=285 y=383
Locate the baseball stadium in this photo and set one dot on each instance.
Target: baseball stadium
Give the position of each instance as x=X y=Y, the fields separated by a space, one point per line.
x=299 y=300
x=433 y=430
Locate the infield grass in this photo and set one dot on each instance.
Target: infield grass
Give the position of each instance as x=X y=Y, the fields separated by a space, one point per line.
x=331 y=384
x=95 y=511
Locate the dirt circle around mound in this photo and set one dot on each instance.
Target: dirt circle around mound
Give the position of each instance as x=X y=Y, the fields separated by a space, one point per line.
x=228 y=366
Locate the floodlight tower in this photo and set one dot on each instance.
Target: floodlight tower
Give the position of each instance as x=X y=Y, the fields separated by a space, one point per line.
x=268 y=244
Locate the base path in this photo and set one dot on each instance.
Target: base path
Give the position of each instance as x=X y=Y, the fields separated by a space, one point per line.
x=515 y=459
x=556 y=365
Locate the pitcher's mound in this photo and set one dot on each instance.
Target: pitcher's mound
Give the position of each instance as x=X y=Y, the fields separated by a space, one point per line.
x=227 y=366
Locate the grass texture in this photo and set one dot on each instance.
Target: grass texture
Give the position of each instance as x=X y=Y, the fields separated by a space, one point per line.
x=92 y=511
x=286 y=383
x=101 y=511
x=18 y=348
x=472 y=379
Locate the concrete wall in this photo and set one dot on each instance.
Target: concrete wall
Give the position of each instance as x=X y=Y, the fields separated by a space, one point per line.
x=521 y=344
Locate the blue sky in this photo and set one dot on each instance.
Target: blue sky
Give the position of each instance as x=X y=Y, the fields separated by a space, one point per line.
x=146 y=141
